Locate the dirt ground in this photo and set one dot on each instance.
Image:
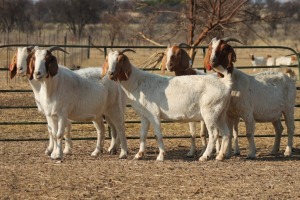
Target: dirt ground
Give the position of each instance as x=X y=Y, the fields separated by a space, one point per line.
x=27 y=173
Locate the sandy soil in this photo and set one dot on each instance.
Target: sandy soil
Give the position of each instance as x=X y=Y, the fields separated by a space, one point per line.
x=26 y=173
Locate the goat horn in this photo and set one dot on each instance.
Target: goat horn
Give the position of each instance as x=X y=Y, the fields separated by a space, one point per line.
x=125 y=50
x=181 y=45
x=30 y=47
x=229 y=39
x=53 y=48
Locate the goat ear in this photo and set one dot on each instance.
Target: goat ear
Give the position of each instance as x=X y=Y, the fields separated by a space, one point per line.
x=185 y=59
x=231 y=57
x=104 y=68
x=51 y=64
x=28 y=61
x=164 y=63
x=125 y=66
x=13 y=67
x=206 y=61
x=30 y=66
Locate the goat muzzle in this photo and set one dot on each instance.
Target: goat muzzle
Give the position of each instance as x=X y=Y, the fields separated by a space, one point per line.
x=111 y=76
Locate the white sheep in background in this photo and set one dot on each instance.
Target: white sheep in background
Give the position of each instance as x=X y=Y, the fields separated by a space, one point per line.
x=262 y=61
x=156 y=97
x=258 y=61
x=264 y=97
x=66 y=95
x=283 y=60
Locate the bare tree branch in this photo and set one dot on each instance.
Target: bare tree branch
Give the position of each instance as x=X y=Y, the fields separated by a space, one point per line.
x=148 y=39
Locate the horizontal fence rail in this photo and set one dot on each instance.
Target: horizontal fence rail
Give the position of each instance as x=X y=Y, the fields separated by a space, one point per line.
x=105 y=50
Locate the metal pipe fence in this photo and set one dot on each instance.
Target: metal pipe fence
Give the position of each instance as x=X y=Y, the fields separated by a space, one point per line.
x=105 y=49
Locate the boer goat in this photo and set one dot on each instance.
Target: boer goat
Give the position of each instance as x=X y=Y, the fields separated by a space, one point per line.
x=155 y=97
x=263 y=97
x=66 y=95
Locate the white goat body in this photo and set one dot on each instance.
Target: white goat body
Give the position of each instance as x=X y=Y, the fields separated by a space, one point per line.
x=156 y=97
x=66 y=95
x=177 y=60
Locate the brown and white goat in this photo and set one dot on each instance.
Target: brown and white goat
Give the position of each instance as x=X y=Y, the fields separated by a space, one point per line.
x=263 y=97
x=67 y=95
x=155 y=97
x=177 y=60
x=19 y=65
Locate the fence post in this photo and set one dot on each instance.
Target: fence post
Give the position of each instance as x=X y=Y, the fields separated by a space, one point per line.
x=204 y=57
x=65 y=43
x=88 y=50
x=298 y=59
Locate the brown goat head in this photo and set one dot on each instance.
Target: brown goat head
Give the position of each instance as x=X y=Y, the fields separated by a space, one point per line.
x=176 y=59
x=119 y=65
x=219 y=54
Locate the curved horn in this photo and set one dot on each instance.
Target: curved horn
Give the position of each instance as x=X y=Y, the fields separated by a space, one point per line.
x=181 y=45
x=30 y=47
x=230 y=39
x=125 y=50
x=53 y=48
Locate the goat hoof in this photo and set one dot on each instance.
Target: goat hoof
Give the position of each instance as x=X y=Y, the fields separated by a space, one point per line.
x=139 y=156
x=220 y=157
x=123 y=156
x=203 y=158
x=288 y=152
x=112 y=151
x=67 y=151
x=55 y=157
x=190 y=154
x=160 y=158
x=96 y=153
